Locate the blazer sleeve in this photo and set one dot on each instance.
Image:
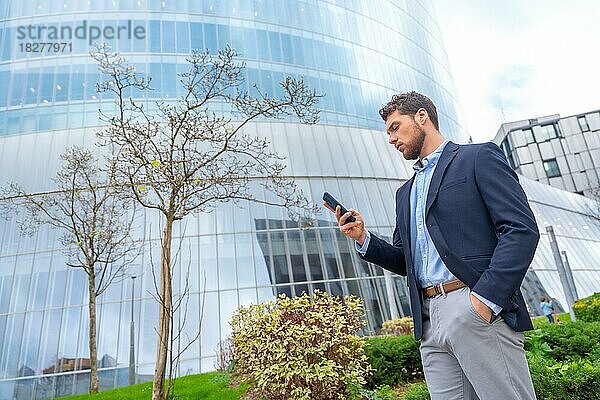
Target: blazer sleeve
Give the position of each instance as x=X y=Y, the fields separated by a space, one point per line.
x=514 y=222
x=388 y=256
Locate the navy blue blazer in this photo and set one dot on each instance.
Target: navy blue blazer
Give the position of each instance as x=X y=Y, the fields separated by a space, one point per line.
x=481 y=225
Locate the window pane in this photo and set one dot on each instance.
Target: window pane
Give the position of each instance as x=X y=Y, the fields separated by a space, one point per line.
x=546 y=132
x=154 y=35
x=280 y=265
x=275 y=46
x=224 y=38
x=583 y=123
x=168 y=37
x=245 y=263
x=528 y=134
x=4 y=80
x=196 y=36
x=183 y=39
x=10 y=352
x=551 y=168
x=226 y=254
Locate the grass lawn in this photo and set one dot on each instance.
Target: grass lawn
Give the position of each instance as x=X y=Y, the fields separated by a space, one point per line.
x=537 y=321
x=209 y=386
x=216 y=385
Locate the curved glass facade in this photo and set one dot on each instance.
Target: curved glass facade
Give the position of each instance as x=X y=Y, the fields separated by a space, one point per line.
x=357 y=53
x=338 y=47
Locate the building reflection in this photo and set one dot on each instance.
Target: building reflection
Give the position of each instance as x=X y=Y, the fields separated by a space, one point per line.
x=302 y=260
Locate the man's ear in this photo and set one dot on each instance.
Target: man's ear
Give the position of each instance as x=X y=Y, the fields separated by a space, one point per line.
x=421 y=116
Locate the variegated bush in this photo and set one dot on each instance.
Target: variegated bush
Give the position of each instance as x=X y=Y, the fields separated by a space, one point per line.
x=398 y=327
x=302 y=348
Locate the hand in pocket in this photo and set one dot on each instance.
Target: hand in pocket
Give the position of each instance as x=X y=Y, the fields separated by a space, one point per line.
x=481 y=308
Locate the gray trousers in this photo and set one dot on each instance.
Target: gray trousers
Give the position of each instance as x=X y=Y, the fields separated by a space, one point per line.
x=465 y=357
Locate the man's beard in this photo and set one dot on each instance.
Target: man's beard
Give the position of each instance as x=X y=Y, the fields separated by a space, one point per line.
x=414 y=148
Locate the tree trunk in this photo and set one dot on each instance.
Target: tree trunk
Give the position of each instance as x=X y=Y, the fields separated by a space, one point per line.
x=164 y=316
x=94 y=381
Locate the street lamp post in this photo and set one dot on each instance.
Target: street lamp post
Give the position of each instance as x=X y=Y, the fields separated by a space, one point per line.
x=132 y=338
x=570 y=275
x=562 y=273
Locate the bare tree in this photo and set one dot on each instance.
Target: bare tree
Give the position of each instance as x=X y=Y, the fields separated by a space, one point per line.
x=180 y=341
x=594 y=209
x=182 y=158
x=224 y=353
x=94 y=222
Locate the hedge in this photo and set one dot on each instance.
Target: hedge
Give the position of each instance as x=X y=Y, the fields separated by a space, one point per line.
x=564 y=361
x=569 y=341
x=588 y=309
x=574 y=380
x=394 y=359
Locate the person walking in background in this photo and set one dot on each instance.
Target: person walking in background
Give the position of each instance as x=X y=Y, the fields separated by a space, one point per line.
x=547 y=308
x=464 y=236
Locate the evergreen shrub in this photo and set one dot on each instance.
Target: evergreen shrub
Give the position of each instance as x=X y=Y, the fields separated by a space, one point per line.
x=573 y=380
x=395 y=360
x=566 y=342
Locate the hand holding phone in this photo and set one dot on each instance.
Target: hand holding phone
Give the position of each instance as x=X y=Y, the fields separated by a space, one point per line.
x=333 y=203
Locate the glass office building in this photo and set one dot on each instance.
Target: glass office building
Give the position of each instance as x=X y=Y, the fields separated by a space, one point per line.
x=356 y=53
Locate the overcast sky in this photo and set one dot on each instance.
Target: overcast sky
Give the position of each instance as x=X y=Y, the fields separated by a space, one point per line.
x=520 y=59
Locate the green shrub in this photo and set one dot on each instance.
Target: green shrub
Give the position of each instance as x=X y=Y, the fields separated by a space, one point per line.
x=588 y=309
x=569 y=341
x=574 y=380
x=417 y=391
x=395 y=359
x=301 y=348
x=398 y=327
x=536 y=344
x=382 y=393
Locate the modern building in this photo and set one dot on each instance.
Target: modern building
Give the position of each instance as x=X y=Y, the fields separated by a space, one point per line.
x=357 y=53
x=561 y=152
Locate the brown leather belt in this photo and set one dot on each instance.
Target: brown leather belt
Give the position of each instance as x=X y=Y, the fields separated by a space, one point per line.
x=443 y=288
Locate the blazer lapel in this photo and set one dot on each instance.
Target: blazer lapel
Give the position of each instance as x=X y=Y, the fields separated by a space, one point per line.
x=446 y=157
x=405 y=209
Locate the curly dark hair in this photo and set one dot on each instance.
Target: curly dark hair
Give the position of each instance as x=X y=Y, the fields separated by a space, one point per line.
x=408 y=104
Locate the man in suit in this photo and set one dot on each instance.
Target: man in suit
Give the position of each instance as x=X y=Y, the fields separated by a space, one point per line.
x=464 y=237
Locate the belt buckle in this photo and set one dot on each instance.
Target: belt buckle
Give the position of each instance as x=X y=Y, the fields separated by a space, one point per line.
x=440 y=290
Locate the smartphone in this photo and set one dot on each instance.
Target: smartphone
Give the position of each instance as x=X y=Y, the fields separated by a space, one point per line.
x=333 y=203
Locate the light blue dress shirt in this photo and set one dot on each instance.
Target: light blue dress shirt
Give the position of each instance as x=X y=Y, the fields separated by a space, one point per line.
x=429 y=267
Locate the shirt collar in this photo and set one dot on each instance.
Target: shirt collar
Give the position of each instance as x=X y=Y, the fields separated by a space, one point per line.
x=431 y=159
